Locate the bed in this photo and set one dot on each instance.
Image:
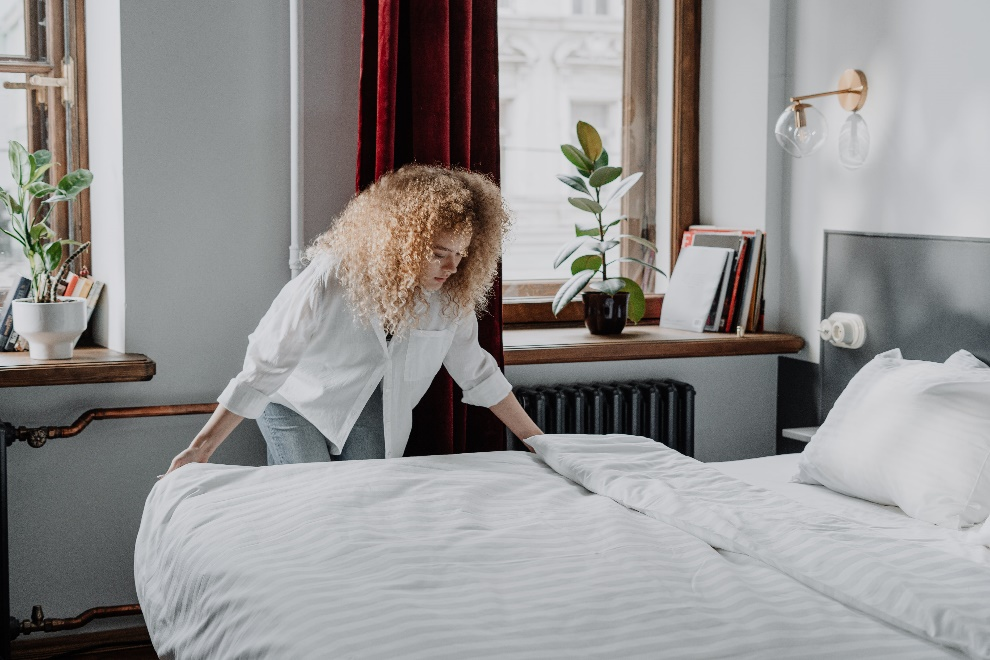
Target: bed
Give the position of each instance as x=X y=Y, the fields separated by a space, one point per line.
x=595 y=546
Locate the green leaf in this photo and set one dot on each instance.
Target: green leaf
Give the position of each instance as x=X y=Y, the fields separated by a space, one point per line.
x=578 y=159
x=13 y=206
x=615 y=222
x=20 y=163
x=640 y=262
x=604 y=175
x=642 y=241
x=37 y=231
x=569 y=249
x=600 y=246
x=590 y=230
x=42 y=157
x=590 y=141
x=6 y=199
x=623 y=187
x=636 y=307
x=53 y=254
x=41 y=188
x=602 y=160
x=589 y=205
x=574 y=182
x=40 y=171
x=586 y=262
x=611 y=286
x=584 y=173
x=571 y=288
x=74 y=183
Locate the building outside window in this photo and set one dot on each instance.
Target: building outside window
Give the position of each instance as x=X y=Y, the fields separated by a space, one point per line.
x=560 y=61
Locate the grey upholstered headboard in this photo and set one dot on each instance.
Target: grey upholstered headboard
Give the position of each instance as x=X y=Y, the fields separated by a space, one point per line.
x=927 y=295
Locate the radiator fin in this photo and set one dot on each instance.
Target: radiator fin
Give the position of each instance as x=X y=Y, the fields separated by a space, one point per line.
x=659 y=409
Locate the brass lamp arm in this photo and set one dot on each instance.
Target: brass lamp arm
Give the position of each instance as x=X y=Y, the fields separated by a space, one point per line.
x=852 y=91
x=855 y=90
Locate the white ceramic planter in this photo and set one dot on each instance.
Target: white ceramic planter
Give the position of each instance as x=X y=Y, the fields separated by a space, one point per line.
x=50 y=328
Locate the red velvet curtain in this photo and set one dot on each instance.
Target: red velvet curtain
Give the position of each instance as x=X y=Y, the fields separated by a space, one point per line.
x=429 y=94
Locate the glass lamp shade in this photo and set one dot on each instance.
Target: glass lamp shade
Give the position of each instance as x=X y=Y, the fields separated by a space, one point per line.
x=854 y=142
x=801 y=130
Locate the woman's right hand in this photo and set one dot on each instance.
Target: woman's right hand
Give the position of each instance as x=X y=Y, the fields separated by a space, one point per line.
x=191 y=454
x=217 y=428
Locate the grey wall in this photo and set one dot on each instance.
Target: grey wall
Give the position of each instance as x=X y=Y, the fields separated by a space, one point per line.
x=928 y=65
x=206 y=230
x=331 y=36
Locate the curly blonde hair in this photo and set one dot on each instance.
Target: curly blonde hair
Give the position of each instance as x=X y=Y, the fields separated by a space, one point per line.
x=383 y=240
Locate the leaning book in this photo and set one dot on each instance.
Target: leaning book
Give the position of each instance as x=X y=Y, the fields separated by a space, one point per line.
x=20 y=289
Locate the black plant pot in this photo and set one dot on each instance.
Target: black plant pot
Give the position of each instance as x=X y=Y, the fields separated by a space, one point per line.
x=605 y=314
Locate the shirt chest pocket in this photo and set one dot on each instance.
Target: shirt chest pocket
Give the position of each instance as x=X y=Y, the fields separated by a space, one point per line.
x=425 y=352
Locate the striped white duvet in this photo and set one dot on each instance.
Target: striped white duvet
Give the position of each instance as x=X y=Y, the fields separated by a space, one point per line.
x=498 y=555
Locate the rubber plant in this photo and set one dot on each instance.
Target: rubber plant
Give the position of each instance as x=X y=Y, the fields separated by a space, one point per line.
x=592 y=238
x=29 y=221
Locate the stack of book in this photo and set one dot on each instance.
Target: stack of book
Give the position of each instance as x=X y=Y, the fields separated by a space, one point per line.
x=739 y=302
x=75 y=286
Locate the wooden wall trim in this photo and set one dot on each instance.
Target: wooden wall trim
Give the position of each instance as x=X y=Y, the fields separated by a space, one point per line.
x=687 y=72
x=639 y=134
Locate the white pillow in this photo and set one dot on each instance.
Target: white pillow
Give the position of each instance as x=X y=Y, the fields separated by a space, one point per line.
x=910 y=433
x=965 y=360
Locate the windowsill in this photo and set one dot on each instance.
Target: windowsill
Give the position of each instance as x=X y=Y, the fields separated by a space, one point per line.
x=557 y=344
x=538 y=310
x=89 y=364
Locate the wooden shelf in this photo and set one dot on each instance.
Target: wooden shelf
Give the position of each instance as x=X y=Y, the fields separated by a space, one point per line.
x=87 y=365
x=554 y=344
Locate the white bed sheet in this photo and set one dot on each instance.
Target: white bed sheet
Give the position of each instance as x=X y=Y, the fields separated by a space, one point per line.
x=498 y=555
x=774 y=473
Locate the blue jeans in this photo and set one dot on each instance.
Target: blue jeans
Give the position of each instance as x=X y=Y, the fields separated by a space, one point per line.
x=292 y=439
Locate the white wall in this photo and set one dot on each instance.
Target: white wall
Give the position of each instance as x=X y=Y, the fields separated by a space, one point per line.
x=928 y=66
x=106 y=199
x=205 y=148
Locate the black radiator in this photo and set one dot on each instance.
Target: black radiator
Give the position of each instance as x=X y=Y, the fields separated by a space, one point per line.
x=659 y=409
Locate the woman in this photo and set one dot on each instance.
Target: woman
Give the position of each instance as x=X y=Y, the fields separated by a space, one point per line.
x=350 y=346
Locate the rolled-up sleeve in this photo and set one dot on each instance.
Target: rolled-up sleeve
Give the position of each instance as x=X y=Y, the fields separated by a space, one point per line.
x=276 y=345
x=474 y=369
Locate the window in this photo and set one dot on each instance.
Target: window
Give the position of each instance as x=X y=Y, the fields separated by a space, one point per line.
x=42 y=106
x=558 y=64
x=594 y=60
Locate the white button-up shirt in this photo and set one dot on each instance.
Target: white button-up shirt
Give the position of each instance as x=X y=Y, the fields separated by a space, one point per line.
x=312 y=355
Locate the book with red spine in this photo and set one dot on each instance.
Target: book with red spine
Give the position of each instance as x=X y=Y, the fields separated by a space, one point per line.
x=71 y=281
x=730 y=317
x=749 y=305
x=737 y=243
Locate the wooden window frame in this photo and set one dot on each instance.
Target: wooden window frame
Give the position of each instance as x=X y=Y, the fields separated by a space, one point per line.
x=68 y=137
x=526 y=302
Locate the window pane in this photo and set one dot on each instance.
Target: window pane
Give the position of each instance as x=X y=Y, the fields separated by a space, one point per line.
x=555 y=68
x=13 y=126
x=12 y=42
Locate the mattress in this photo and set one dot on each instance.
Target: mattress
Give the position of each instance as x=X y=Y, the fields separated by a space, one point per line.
x=774 y=473
x=597 y=547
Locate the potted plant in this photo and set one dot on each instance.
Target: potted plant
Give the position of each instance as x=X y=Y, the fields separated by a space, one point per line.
x=50 y=323
x=614 y=298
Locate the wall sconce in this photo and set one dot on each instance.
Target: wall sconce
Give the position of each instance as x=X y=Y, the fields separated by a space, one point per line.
x=801 y=130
